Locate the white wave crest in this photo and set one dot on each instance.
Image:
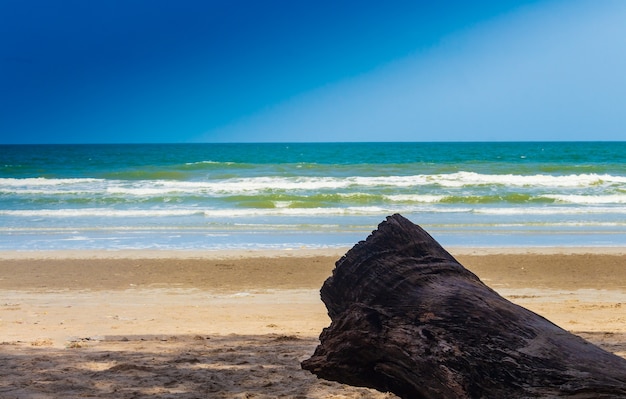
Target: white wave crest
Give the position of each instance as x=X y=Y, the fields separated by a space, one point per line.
x=471 y=179
x=588 y=199
x=226 y=212
x=425 y=198
x=99 y=212
x=44 y=182
x=550 y=210
x=265 y=184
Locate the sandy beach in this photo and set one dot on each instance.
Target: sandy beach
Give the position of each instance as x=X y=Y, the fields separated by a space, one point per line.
x=130 y=324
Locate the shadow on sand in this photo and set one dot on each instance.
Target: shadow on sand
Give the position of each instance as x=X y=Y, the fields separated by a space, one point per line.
x=232 y=366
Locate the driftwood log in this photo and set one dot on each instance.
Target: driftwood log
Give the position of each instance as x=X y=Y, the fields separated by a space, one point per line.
x=407 y=318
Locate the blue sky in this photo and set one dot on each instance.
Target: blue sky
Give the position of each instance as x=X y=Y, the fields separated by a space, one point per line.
x=252 y=71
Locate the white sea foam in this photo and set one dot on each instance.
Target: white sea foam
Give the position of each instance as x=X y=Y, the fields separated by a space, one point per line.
x=412 y=204
x=42 y=181
x=217 y=213
x=550 y=210
x=255 y=185
x=426 y=198
x=43 y=186
x=471 y=179
x=209 y=163
x=588 y=199
x=99 y=212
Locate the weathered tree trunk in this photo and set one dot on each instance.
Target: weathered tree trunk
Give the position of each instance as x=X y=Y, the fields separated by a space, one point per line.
x=408 y=318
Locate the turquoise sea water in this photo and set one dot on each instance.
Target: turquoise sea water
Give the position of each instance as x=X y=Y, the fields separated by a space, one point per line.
x=219 y=196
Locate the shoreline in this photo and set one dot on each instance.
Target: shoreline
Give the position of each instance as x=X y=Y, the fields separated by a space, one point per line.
x=289 y=252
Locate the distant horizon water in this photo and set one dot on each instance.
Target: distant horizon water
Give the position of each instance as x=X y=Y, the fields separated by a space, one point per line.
x=211 y=196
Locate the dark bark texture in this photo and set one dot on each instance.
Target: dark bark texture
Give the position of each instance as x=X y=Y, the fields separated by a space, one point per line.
x=408 y=318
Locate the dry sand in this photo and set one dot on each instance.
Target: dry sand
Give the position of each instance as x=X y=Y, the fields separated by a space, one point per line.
x=237 y=324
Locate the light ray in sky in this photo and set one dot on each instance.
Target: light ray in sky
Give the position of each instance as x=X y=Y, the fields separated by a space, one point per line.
x=541 y=73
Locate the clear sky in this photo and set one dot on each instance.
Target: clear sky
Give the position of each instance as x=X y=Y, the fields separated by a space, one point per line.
x=98 y=71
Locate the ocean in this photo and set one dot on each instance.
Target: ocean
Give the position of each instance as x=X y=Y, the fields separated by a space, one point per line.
x=309 y=195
